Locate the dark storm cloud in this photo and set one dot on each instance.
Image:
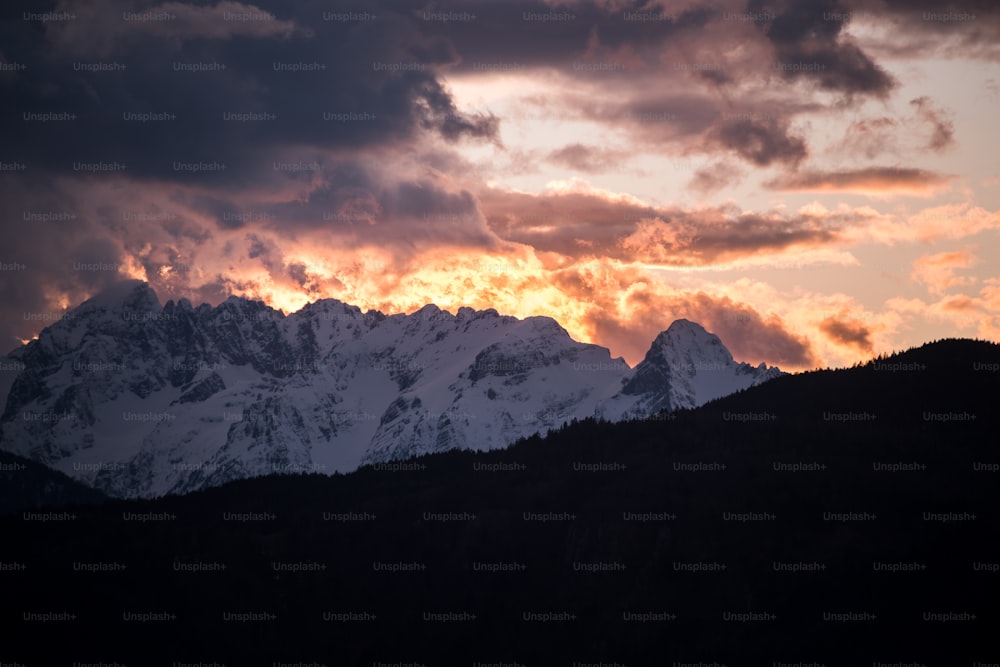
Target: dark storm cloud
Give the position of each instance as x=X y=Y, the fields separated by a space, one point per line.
x=843 y=68
x=362 y=83
x=850 y=334
x=756 y=128
x=810 y=46
x=362 y=87
x=968 y=29
x=357 y=85
x=521 y=34
x=360 y=206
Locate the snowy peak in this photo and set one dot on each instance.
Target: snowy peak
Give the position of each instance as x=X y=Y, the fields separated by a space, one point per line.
x=684 y=339
x=696 y=367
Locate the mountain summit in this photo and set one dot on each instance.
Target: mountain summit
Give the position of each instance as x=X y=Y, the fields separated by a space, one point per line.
x=695 y=367
x=139 y=399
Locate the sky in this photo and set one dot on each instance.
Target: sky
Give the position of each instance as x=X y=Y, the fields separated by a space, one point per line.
x=817 y=182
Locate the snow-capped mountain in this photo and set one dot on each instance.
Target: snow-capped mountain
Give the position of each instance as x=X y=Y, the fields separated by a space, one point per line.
x=139 y=399
x=695 y=365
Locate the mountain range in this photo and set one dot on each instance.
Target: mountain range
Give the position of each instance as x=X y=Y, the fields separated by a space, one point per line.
x=824 y=518
x=139 y=399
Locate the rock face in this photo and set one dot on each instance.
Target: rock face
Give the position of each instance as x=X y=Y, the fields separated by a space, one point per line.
x=138 y=399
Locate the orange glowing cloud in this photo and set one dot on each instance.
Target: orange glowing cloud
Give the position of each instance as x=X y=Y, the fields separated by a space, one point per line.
x=578 y=221
x=875 y=181
x=937 y=271
x=937 y=223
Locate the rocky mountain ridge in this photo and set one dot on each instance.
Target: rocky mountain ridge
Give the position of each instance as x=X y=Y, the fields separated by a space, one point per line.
x=138 y=399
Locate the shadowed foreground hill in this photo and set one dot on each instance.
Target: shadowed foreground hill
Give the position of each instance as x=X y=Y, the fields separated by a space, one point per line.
x=835 y=517
x=27 y=484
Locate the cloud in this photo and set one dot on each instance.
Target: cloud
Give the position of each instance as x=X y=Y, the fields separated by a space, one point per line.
x=585 y=224
x=937 y=271
x=905 y=29
x=625 y=306
x=661 y=116
x=965 y=314
x=716 y=177
x=105 y=28
x=867 y=180
x=188 y=244
x=53 y=254
x=937 y=223
x=173 y=105
x=870 y=137
x=761 y=142
x=882 y=135
x=847 y=333
x=942 y=129
x=630 y=308
x=810 y=48
x=314 y=158
x=588 y=159
x=595 y=33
